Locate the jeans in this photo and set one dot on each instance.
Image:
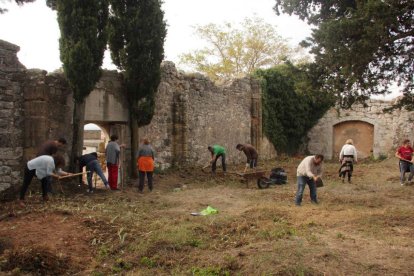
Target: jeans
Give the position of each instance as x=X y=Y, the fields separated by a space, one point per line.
x=302 y=181
x=142 y=180
x=404 y=167
x=94 y=166
x=253 y=163
x=28 y=176
x=223 y=162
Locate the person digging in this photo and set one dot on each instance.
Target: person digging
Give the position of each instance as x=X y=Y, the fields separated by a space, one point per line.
x=251 y=155
x=217 y=152
x=44 y=167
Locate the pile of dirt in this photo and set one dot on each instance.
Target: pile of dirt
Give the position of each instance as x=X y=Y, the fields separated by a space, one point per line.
x=47 y=243
x=37 y=261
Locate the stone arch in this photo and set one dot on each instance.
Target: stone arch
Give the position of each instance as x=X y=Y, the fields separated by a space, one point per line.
x=361 y=131
x=94 y=141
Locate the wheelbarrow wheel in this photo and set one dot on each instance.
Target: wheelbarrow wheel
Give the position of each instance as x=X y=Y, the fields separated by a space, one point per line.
x=262 y=183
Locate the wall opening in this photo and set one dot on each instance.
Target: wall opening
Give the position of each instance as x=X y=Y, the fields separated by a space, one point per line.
x=95 y=139
x=361 y=132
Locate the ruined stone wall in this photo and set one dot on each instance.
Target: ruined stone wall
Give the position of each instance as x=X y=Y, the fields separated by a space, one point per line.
x=192 y=113
x=389 y=128
x=11 y=116
x=48 y=110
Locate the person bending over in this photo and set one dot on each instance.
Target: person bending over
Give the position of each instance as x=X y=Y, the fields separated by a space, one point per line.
x=308 y=172
x=43 y=167
x=90 y=161
x=251 y=155
x=216 y=153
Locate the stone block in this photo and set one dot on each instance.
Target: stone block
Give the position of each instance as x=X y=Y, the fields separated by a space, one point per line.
x=36 y=108
x=36 y=93
x=4 y=186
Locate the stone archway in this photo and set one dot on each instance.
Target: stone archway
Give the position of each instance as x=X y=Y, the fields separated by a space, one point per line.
x=361 y=132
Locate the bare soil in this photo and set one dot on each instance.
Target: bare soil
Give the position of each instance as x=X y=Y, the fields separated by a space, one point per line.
x=363 y=228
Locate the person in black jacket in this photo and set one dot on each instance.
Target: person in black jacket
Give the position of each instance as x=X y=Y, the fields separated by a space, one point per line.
x=90 y=160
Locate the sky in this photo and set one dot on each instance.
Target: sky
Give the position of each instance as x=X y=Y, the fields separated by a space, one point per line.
x=34 y=27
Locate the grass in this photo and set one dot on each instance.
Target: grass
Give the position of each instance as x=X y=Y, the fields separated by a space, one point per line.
x=357 y=229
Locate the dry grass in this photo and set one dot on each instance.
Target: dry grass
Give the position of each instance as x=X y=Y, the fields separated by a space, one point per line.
x=364 y=228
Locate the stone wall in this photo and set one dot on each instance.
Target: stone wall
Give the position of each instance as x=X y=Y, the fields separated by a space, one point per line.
x=389 y=128
x=48 y=108
x=11 y=116
x=192 y=113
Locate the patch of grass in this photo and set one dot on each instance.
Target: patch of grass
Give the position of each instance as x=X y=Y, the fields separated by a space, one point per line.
x=340 y=236
x=103 y=252
x=209 y=271
x=148 y=262
x=194 y=242
x=121 y=265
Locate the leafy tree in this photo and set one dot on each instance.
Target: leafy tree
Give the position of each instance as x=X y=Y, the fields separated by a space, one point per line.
x=82 y=44
x=137 y=32
x=238 y=51
x=292 y=105
x=362 y=47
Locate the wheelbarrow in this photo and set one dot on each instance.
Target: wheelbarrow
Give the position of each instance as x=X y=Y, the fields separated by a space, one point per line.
x=251 y=177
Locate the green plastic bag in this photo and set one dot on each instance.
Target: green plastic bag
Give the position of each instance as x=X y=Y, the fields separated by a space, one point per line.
x=209 y=211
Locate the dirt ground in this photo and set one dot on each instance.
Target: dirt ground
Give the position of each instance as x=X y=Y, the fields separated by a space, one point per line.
x=363 y=228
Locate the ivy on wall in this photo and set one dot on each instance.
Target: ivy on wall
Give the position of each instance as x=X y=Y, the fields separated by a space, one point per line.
x=292 y=105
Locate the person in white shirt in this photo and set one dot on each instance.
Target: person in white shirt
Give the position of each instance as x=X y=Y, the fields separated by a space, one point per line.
x=43 y=167
x=308 y=172
x=347 y=157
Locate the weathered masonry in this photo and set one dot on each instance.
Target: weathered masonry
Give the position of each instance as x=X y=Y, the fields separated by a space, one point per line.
x=191 y=113
x=374 y=132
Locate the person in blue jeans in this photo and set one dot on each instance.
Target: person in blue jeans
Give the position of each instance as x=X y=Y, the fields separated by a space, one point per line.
x=308 y=172
x=91 y=162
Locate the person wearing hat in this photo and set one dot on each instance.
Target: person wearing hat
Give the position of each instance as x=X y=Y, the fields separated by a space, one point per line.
x=217 y=152
x=347 y=157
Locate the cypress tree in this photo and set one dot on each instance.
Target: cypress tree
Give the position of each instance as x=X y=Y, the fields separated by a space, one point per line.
x=136 y=39
x=82 y=44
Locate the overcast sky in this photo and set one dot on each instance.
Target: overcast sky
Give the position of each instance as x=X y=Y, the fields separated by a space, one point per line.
x=34 y=28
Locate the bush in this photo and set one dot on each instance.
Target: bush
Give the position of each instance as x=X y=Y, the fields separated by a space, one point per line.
x=292 y=105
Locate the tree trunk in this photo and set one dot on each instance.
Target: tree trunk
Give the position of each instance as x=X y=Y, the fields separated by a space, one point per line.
x=134 y=145
x=77 y=141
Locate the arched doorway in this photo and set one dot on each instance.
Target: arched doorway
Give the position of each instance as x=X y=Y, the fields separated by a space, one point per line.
x=361 y=132
x=95 y=138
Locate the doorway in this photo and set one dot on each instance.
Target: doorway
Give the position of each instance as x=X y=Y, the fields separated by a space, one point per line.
x=362 y=133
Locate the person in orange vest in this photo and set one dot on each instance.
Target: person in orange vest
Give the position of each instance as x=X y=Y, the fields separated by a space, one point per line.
x=145 y=164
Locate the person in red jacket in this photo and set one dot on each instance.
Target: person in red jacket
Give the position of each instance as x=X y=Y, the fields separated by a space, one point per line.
x=405 y=154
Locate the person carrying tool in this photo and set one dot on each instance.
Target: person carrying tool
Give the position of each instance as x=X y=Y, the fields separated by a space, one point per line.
x=43 y=167
x=51 y=147
x=347 y=157
x=405 y=154
x=90 y=160
x=308 y=172
x=216 y=153
x=251 y=155
x=145 y=163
